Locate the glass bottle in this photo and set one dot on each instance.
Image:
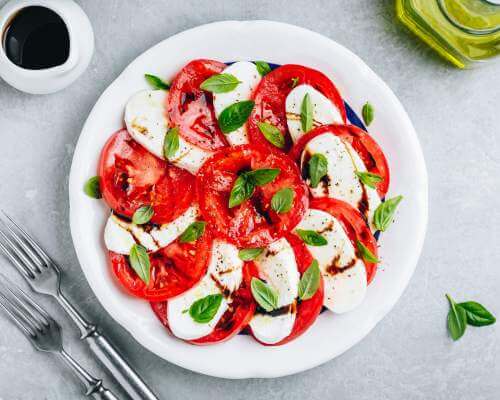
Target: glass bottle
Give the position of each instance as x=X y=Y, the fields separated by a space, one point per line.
x=464 y=32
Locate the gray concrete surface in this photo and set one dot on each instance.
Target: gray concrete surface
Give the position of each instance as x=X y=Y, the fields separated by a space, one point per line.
x=408 y=355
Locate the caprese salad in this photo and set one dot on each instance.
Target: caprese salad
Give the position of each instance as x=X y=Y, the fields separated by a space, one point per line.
x=243 y=200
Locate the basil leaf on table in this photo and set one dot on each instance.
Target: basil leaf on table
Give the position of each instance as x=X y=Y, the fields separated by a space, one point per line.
x=264 y=295
x=318 y=168
x=477 y=314
x=156 y=83
x=311 y=238
x=193 y=232
x=282 y=200
x=382 y=217
x=366 y=254
x=143 y=215
x=171 y=143
x=306 y=113
x=220 y=83
x=235 y=116
x=139 y=261
x=92 y=187
x=262 y=67
x=272 y=134
x=203 y=310
x=249 y=254
x=369 y=178
x=457 y=319
x=368 y=113
x=309 y=282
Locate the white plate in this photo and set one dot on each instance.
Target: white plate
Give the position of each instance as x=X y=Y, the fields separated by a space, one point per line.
x=278 y=43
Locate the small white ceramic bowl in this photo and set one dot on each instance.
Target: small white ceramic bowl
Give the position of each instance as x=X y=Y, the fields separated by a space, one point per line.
x=49 y=80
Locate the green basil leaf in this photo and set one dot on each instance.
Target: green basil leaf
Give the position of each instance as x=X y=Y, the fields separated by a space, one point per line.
x=311 y=238
x=272 y=134
x=369 y=179
x=244 y=185
x=262 y=67
x=295 y=82
x=477 y=314
x=171 y=143
x=193 y=232
x=264 y=295
x=242 y=190
x=260 y=177
x=220 y=83
x=309 y=282
x=156 y=83
x=382 y=217
x=318 y=168
x=92 y=187
x=457 y=319
x=282 y=200
x=204 y=309
x=235 y=116
x=366 y=254
x=139 y=261
x=143 y=215
x=367 y=113
x=306 y=113
x=249 y=254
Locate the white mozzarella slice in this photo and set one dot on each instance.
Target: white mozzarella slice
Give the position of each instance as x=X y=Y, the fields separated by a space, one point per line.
x=146 y=120
x=272 y=329
x=120 y=234
x=180 y=322
x=324 y=111
x=344 y=274
x=189 y=157
x=246 y=72
x=341 y=181
x=147 y=123
x=167 y=233
x=224 y=276
x=116 y=237
x=226 y=267
x=278 y=267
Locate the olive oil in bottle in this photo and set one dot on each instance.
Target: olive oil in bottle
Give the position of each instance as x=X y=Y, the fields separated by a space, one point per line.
x=462 y=31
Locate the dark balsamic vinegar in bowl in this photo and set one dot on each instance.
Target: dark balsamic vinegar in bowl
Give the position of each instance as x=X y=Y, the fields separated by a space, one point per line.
x=37 y=38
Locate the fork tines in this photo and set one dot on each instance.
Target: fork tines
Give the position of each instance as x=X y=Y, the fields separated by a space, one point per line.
x=20 y=248
x=27 y=315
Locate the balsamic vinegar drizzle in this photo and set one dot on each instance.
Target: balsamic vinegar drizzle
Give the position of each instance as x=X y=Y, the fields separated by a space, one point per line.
x=37 y=38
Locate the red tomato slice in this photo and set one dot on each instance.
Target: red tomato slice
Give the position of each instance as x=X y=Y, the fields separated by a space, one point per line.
x=354 y=225
x=234 y=320
x=368 y=149
x=253 y=223
x=132 y=177
x=271 y=94
x=307 y=310
x=174 y=269
x=191 y=109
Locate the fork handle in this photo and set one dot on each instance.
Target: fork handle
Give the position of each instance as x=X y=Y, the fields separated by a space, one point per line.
x=104 y=394
x=119 y=367
x=93 y=386
x=108 y=354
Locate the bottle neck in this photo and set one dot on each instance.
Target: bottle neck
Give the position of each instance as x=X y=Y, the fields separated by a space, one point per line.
x=476 y=17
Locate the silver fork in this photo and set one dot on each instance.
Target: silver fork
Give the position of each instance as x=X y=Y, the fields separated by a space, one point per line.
x=44 y=276
x=45 y=334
